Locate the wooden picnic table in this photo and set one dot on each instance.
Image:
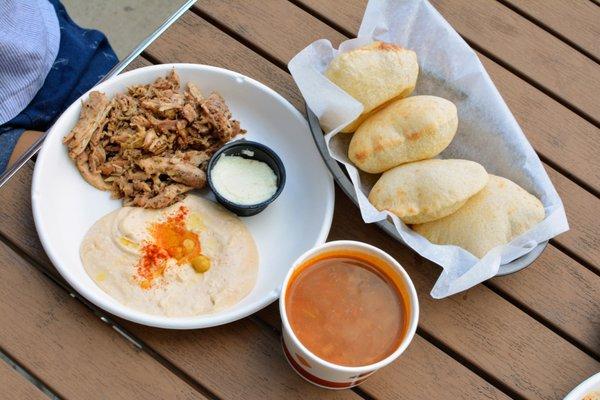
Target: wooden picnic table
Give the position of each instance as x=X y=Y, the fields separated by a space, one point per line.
x=531 y=335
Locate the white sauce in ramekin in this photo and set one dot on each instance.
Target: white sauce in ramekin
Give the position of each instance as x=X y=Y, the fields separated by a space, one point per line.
x=243 y=181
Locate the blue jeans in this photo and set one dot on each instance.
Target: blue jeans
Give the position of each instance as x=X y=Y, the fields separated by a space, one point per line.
x=84 y=57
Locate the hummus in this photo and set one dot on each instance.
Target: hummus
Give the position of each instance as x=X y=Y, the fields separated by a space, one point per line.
x=113 y=254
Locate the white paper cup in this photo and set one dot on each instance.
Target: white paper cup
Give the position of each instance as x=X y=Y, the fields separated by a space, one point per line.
x=324 y=373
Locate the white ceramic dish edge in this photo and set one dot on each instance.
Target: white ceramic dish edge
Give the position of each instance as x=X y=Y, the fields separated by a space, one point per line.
x=203 y=321
x=591 y=384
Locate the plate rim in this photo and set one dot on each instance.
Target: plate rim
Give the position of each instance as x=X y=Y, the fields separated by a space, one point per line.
x=584 y=387
x=125 y=312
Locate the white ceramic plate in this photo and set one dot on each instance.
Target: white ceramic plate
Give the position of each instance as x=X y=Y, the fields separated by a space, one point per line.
x=592 y=384
x=65 y=206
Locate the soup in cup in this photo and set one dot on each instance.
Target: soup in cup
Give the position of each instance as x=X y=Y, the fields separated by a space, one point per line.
x=347 y=309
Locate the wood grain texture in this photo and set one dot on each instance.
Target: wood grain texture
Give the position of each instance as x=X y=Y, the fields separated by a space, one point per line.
x=507 y=36
x=559 y=135
x=138 y=62
x=239 y=360
x=411 y=375
x=577 y=20
x=16 y=386
x=528 y=49
x=514 y=40
x=581 y=205
x=422 y=372
x=487 y=331
x=247 y=19
x=583 y=213
x=538 y=114
x=201 y=354
x=227 y=54
x=294 y=30
x=414 y=381
x=68 y=347
x=192 y=39
x=557 y=288
x=474 y=331
x=507 y=344
x=426 y=372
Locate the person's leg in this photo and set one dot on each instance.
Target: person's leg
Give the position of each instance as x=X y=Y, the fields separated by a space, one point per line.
x=25 y=141
x=84 y=57
x=8 y=140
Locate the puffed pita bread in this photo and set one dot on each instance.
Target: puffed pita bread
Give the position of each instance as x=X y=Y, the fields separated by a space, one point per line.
x=424 y=191
x=494 y=216
x=411 y=129
x=374 y=74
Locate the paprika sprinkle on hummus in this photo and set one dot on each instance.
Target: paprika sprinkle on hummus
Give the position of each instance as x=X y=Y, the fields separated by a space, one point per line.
x=191 y=258
x=170 y=239
x=152 y=264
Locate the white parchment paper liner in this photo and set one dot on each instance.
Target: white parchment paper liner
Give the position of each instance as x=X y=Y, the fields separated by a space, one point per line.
x=487 y=131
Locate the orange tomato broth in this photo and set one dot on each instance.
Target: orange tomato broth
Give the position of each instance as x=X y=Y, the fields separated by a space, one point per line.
x=348 y=307
x=167 y=242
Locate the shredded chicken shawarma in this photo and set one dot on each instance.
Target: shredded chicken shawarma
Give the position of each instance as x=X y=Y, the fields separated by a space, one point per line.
x=151 y=145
